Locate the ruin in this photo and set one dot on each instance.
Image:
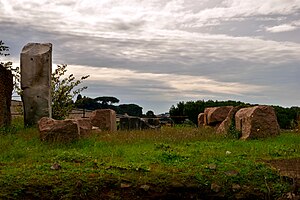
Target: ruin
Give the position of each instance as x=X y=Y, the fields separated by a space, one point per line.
x=6 y=88
x=201 y=119
x=225 y=125
x=36 y=68
x=67 y=130
x=214 y=116
x=105 y=119
x=257 y=122
x=252 y=122
x=130 y=123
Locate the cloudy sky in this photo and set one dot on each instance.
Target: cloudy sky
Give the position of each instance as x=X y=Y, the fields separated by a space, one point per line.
x=156 y=53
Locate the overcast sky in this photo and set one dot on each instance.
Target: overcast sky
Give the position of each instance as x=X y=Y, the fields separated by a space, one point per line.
x=156 y=53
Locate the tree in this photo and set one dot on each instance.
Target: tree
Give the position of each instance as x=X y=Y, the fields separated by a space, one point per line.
x=131 y=109
x=192 y=110
x=79 y=96
x=87 y=103
x=105 y=101
x=150 y=114
x=177 y=113
x=4 y=51
x=63 y=92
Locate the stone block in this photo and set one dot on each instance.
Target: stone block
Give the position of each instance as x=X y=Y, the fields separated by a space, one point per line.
x=6 y=88
x=215 y=115
x=58 y=130
x=201 y=119
x=105 y=119
x=64 y=130
x=257 y=122
x=130 y=123
x=36 y=69
x=229 y=120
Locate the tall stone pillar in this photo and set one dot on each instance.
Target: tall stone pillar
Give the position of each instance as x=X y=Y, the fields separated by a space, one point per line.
x=36 y=68
x=6 y=88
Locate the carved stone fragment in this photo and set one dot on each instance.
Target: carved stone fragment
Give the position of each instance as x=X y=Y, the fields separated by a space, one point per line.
x=36 y=66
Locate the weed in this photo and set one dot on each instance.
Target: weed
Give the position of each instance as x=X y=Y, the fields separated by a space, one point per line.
x=99 y=164
x=233 y=132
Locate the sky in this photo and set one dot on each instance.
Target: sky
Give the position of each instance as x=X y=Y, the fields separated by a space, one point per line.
x=155 y=53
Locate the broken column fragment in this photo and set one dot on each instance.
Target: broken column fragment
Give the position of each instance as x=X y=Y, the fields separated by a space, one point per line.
x=36 y=67
x=6 y=88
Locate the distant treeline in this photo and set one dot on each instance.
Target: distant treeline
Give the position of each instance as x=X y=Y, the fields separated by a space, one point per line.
x=287 y=117
x=107 y=102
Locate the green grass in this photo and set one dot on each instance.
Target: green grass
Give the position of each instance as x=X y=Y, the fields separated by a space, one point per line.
x=99 y=164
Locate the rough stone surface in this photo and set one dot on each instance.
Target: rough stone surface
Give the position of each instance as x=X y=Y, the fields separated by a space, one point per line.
x=150 y=124
x=257 y=122
x=201 y=119
x=215 y=115
x=105 y=119
x=130 y=123
x=64 y=130
x=6 y=87
x=58 y=130
x=85 y=126
x=36 y=66
x=225 y=125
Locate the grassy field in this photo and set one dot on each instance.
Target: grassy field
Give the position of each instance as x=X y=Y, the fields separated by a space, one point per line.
x=174 y=163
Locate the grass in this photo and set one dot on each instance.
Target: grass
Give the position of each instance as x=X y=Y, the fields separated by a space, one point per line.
x=116 y=165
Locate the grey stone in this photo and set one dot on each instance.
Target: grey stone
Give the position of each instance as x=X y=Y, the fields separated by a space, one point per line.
x=130 y=123
x=36 y=67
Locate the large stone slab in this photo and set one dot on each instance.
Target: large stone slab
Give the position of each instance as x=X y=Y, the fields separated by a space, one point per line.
x=6 y=88
x=64 y=130
x=201 y=117
x=36 y=67
x=85 y=126
x=105 y=119
x=215 y=115
x=130 y=123
x=228 y=121
x=58 y=130
x=257 y=122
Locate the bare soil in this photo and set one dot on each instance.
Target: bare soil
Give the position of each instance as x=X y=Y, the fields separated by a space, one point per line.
x=289 y=168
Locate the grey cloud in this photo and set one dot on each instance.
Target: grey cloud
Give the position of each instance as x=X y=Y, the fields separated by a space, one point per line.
x=167 y=37
x=128 y=25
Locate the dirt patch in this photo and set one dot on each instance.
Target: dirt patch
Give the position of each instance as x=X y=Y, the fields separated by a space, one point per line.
x=287 y=167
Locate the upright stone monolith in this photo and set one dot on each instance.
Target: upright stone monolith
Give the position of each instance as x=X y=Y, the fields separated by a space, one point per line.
x=36 y=67
x=6 y=87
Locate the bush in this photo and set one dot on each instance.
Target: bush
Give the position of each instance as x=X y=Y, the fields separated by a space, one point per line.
x=63 y=92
